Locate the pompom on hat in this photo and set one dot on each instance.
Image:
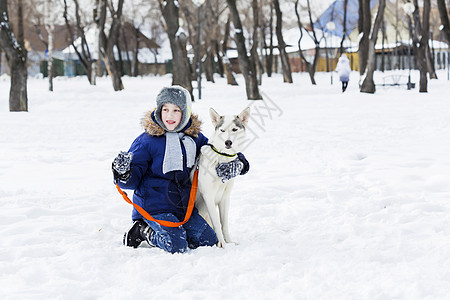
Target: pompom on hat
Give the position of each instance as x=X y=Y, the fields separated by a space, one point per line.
x=175 y=95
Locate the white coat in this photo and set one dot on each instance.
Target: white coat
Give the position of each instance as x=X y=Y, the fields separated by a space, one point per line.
x=343 y=68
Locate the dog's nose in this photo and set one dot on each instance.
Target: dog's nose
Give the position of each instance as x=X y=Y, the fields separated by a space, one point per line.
x=228 y=143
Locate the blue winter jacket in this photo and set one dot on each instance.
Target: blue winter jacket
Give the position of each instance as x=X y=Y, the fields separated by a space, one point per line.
x=154 y=191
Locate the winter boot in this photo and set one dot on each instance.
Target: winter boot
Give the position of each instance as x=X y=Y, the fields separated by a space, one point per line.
x=344 y=86
x=139 y=232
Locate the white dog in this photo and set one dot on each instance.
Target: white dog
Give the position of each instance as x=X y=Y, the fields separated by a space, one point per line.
x=213 y=196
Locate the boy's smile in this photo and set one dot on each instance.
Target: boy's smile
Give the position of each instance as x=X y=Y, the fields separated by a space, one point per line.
x=171 y=115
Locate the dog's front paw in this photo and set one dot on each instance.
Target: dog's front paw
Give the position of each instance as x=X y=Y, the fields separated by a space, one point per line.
x=232 y=242
x=228 y=239
x=221 y=244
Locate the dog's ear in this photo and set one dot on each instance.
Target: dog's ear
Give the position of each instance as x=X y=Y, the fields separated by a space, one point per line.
x=215 y=117
x=244 y=116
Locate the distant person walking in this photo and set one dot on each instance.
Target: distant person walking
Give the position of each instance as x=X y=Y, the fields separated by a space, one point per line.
x=343 y=69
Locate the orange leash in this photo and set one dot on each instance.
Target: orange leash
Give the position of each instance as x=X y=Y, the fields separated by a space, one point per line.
x=162 y=222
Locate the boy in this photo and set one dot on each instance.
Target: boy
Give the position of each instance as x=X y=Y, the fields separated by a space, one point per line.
x=158 y=165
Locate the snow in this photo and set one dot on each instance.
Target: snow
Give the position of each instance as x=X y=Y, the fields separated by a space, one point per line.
x=346 y=198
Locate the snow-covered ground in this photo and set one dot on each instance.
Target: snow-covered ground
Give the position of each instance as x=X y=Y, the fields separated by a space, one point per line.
x=347 y=196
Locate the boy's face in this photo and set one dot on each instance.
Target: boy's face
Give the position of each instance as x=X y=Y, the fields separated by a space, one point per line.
x=171 y=115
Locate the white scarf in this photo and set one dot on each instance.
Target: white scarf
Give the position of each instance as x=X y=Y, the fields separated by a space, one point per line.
x=173 y=156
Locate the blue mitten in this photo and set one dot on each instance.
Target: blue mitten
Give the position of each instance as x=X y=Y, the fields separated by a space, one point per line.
x=229 y=170
x=245 y=162
x=122 y=166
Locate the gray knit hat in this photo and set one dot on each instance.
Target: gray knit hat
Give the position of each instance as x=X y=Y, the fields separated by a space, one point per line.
x=175 y=95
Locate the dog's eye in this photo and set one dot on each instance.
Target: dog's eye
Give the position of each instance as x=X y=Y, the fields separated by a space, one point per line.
x=234 y=129
x=223 y=130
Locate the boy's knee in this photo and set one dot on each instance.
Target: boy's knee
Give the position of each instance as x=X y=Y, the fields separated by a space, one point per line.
x=204 y=237
x=179 y=246
x=172 y=243
x=209 y=237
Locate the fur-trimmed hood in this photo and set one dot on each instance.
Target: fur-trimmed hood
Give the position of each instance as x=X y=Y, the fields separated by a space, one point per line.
x=151 y=127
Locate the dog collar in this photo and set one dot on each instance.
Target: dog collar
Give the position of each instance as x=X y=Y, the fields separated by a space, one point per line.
x=221 y=153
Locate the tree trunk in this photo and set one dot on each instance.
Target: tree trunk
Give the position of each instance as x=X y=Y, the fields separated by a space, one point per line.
x=107 y=43
x=127 y=67
x=344 y=25
x=310 y=67
x=209 y=64
x=383 y=38
x=422 y=55
x=364 y=24
x=210 y=33
x=429 y=54
x=217 y=53
x=213 y=14
x=269 y=58
x=285 y=65
x=231 y=80
x=246 y=65
x=415 y=34
x=444 y=19
x=17 y=58
x=49 y=26
x=181 y=73
x=120 y=65
x=135 y=53
x=18 y=98
x=368 y=85
x=254 y=50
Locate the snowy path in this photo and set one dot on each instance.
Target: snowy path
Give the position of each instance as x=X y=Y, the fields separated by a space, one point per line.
x=347 y=197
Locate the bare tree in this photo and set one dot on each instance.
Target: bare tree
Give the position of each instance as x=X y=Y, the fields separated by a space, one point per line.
x=193 y=19
x=181 y=74
x=421 y=46
x=210 y=29
x=17 y=57
x=364 y=25
x=107 y=42
x=210 y=39
x=246 y=65
x=203 y=25
x=216 y=13
x=46 y=13
x=383 y=39
x=344 y=30
x=421 y=35
x=269 y=56
x=49 y=26
x=215 y=10
x=368 y=85
x=135 y=65
x=444 y=19
x=285 y=65
x=256 y=41
x=39 y=10
x=138 y=14
x=231 y=80
x=83 y=52
x=310 y=67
